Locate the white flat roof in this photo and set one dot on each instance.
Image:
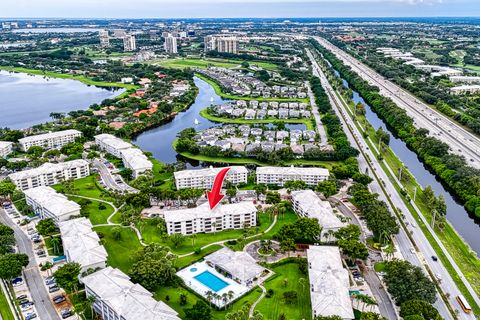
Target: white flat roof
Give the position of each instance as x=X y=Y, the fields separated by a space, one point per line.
x=293 y=171
x=329 y=283
x=238 y=263
x=211 y=171
x=466 y=87
x=316 y=208
x=113 y=141
x=49 y=135
x=55 y=202
x=136 y=159
x=203 y=211
x=48 y=168
x=130 y=301
x=82 y=243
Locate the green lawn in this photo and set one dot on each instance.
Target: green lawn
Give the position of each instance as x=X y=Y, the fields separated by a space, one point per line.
x=120 y=252
x=218 y=90
x=309 y=124
x=5 y=311
x=272 y=307
x=95 y=214
x=188 y=260
x=182 y=63
x=80 y=78
x=87 y=187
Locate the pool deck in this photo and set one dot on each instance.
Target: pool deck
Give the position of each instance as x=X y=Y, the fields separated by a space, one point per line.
x=188 y=276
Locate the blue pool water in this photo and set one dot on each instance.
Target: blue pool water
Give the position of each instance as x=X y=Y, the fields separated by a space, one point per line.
x=193 y=269
x=212 y=281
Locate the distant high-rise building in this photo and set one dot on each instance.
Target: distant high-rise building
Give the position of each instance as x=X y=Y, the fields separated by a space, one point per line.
x=191 y=33
x=171 y=45
x=182 y=34
x=166 y=34
x=129 y=43
x=221 y=44
x=104 y=38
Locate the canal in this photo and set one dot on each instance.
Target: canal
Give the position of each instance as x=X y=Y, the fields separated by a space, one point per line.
x=159 y=140
x=464 y=223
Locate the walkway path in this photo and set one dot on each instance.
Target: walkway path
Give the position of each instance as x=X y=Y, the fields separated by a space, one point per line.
x=252 y=308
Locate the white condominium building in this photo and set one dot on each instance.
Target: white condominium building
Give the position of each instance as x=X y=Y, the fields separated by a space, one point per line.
x=170 y=45
x=111 y=144
x=279 y=175
x=329 y=283
x=51 y=140
x=221 y=44
x=48 y=203
x=306 y=203
x=82 y=245
x=203 y=178
x=136 y=160
x=117 y=298
x=6 y=147
x=201 y=219
x=129 y=43
x=104 y=38
x=50 y=173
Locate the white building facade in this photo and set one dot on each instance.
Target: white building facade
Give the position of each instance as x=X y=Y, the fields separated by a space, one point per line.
x=129 y=43
x=6 y=147
x=201 y=219
x=136 y=160
x=280 y=175
x=117 y=298
x=204 y=178
x=50 y=173
x=171 y=45
x=48 y=203
x=51 y=140
x=111 y=144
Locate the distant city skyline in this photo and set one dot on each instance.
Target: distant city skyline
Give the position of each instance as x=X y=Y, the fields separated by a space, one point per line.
x=236 y=8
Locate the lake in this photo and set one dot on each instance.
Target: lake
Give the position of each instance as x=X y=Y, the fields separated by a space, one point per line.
x=27 y=100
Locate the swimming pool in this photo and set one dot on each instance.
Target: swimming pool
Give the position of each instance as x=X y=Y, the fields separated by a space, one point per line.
x=211 y=281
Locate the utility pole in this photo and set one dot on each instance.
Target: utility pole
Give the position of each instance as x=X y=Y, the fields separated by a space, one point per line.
x=414 y=194
x=400 y=174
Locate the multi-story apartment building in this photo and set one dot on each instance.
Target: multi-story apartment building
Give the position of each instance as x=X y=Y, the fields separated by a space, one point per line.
x=6 y=147
x=202 y=219
x=129 y=43
x=203 y=178
x=171 y=44
x=104 y=38
x=117 y=298
x=47 y=203
x=221 y=44
x=50 y=173
x=329 y=283
x=306 y=203
x=51 y=140
x=81 y=244
x=280 y=175
x=112 y=144
x=136 y=160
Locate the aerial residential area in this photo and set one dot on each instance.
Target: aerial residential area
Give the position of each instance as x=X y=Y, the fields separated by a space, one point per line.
x=173 y=162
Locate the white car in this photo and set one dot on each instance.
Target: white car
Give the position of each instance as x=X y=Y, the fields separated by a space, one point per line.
x=412 y=250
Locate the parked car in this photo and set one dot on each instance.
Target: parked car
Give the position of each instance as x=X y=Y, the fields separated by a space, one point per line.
x=66 y=313
x=27 y=306
x=22 y=297
x=50 y=282
x=58 y=299
x=53 y=288
x=17 y=281
x=22 y=301
x=30 y=316
x=434 y=258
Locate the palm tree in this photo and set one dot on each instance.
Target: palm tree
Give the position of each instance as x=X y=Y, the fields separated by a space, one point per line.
x=225 y=300
x=89 y=303
x=230 y=295
x=193 y=236
x=55 y=242
x=209 y=296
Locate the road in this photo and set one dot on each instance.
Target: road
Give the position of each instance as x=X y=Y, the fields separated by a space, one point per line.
x=404 y=244
x=461 y=141
x=109 y=180
x=316 y=115
x=31 y=273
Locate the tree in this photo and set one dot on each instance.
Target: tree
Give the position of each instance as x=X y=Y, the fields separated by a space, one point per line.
x=6 y=188
x=260 y=189
x=11 y=265
x=420 y=308
x=154 y=267
x=231 y=193
x=35 y=152
x=308 y=230
x=328 y=318
x=371 y=316
x=296 y=185
x=429 y=196
x=47 y=227
x=353 y=249
x=7 y=238
x=290 y=297
x=328 y=188
x=408 y=282
x=273 y=197
x=117 y=233
x=56 y=243
x=177 y=239
x=126 y=173
x=200 y=310
x=67 y=276
x=352 y=231
x=244 y=314
x=360 y=108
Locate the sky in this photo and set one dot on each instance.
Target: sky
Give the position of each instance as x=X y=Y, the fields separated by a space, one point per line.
x=235 y=8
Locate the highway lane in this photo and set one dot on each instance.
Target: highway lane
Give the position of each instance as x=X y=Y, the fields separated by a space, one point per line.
x=404 y=243
x=32 y=276
x=461 y=141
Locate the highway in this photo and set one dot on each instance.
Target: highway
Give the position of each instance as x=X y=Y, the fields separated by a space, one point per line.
x=461 y=141
x=425 y=251
x=32 y=276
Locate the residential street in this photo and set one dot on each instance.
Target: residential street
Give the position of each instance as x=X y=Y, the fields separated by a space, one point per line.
x=31 y=273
